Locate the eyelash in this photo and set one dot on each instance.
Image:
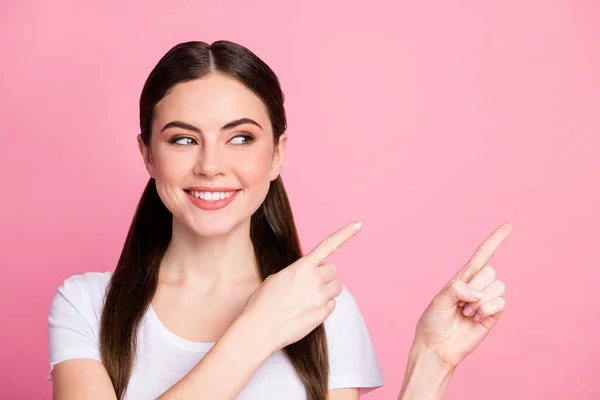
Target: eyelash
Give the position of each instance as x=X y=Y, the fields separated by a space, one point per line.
x=249 y=139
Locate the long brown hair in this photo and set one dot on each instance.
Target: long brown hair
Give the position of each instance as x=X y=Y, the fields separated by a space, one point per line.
x=272 y=231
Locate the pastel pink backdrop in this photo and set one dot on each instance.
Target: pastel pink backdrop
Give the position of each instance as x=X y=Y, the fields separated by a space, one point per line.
x=431 y=122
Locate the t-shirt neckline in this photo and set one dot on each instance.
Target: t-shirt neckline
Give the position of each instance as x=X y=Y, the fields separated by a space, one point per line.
x=176 y=339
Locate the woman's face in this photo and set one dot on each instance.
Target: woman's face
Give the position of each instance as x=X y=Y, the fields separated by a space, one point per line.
x=212 y=153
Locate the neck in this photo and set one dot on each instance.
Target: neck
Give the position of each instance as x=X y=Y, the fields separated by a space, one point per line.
x=208 y=260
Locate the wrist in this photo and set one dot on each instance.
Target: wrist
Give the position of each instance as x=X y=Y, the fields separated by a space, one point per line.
x=426 y=377
x=251 y=331
x=425 y=356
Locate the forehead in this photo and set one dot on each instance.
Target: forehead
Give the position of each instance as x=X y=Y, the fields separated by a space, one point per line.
x=210 y=102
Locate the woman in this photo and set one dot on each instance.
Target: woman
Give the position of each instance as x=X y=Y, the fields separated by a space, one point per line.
x=211 y=297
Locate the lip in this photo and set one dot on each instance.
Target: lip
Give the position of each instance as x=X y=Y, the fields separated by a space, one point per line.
x=211 y=205
x=210 y=189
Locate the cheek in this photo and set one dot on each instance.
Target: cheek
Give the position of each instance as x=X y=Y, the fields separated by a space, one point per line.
x=254 y=174
x=170 y=171
x=172 y=167
x=254 y=170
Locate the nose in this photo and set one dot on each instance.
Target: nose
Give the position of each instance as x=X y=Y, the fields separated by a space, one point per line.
x=210 y=161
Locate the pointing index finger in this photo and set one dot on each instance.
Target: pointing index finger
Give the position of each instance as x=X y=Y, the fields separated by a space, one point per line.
x=485 y=251
x=333 y=242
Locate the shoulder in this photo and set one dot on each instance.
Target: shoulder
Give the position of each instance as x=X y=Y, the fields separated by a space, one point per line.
x=89 y=281
x=89 y=286
x=74 y=317
x=81 y=293
x=352 y=358
x=347 y=311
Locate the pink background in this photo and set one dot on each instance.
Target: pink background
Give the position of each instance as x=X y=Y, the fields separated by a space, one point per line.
x=432 y=123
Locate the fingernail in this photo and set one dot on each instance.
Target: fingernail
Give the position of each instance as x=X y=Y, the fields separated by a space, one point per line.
x=477 y=318
x=478 y=294
x=357 y=226
x=467 y=311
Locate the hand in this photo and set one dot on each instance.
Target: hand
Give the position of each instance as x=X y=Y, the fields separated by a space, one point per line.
x=467 y=308
x=297 y=299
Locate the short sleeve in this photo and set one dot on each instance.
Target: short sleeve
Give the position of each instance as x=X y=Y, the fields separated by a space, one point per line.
x=352 y=359
x=74 y=319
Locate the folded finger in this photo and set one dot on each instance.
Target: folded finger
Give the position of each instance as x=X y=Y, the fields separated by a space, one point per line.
x=332 y=289
x=327 y=272
x=490 y=308
x=494 y=290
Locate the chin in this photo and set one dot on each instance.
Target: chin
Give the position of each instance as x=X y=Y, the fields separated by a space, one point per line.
x=212 y=231
x=214 y=227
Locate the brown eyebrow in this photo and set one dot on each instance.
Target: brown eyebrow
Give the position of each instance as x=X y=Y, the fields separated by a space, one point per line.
x=229 y=125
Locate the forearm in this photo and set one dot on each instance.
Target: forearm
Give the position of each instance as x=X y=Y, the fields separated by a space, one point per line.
x=227 y=367
x=425 y=378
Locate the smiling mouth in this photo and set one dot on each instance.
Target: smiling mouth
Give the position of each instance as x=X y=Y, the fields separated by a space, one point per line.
x=211 y=196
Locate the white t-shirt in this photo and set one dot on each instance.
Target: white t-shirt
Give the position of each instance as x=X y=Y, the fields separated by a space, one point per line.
x=164 y=358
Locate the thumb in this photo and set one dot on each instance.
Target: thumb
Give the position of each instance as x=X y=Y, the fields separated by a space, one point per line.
x=456 y=291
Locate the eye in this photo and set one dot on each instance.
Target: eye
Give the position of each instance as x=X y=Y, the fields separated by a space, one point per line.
x=242 y=139
x=182 y=141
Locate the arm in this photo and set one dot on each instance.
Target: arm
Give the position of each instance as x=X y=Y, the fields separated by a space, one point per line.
x=260 y=330
x=227 y=368
x=446 y=333
x=426 y=378
x=344 y=394
x=81 y=379
x=221 y=374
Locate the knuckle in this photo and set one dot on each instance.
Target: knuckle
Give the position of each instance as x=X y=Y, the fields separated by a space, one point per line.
x=456 y=286
x=331 y=304
x=336 y=289
x=327 y=267
x=501 y=287
x=333 y=268
x=317 y=302
x=484 y=310
x=328 y=273
x=322 y=295
x=317 y=282
x=302 y=265
x=490 y=271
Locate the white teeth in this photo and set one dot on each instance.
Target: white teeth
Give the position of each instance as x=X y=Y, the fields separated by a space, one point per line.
x=212 y=196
